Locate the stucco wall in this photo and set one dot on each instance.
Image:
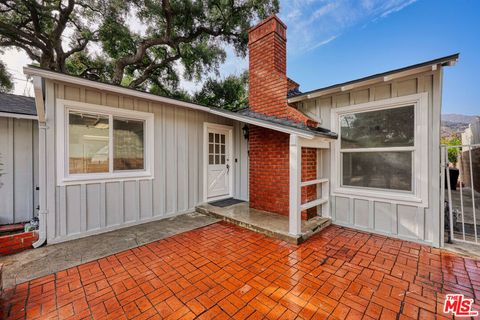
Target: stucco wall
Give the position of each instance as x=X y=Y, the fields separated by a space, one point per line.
x=475 y=165
x=406 y=221
x=85 y=208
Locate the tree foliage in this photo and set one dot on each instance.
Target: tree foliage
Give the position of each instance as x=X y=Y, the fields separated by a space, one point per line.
x=49 y=31
x=147 y=44
x=452 y=152
x=6 y=83
x=381 y=128
x=230 y=93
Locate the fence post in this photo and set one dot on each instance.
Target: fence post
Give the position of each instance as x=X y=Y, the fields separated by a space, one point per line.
x=442 y=196
x=473 y=194
x=449 y=190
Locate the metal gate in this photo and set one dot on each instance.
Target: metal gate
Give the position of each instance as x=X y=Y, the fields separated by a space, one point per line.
x=460 y=193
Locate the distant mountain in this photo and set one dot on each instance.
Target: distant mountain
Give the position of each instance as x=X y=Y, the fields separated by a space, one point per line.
x=454 y=124
x=459 y=118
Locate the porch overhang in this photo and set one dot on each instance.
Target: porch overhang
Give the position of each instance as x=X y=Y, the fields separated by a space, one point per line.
x=307 y=134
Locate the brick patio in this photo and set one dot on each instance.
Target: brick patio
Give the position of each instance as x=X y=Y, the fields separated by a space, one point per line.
x=225 y=271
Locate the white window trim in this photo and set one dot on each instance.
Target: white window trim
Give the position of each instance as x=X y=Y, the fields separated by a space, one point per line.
x=63 y=176
x=419 y=195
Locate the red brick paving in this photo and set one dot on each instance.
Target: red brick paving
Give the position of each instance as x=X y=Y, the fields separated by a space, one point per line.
x=222 y=271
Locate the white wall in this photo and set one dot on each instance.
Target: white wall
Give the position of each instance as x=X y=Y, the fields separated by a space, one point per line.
x=19 y=158
x=87 y=208
x=392 y=218
x=471 y=135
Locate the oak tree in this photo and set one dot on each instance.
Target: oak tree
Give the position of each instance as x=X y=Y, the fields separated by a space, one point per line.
x=147 y=44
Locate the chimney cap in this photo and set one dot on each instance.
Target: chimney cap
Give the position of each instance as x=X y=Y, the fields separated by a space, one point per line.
x=261 y=23
x=268 y=26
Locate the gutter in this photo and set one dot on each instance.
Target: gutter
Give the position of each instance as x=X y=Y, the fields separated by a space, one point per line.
x=18 y=116
x=42 y=161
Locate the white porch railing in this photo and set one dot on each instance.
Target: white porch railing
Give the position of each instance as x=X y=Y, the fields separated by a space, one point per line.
x=296 y=207
x=323 y=200
x=461 y=206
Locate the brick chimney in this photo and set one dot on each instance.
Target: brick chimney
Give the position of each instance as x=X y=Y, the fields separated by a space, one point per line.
x=292 y=85
x=268 y=82
x=269 y=149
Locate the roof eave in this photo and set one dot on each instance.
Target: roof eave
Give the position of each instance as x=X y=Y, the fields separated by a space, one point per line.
x=18 y=115
x=431 y=65
x=34 y=71
x=271 y=125
x=51 y=75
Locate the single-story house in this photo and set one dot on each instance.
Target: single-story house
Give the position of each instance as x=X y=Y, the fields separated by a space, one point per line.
x=18 y=158
x=365 y=153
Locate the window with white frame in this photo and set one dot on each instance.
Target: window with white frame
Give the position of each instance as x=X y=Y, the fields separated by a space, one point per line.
x=377 y=148
x=379 y=151
x=103 y=143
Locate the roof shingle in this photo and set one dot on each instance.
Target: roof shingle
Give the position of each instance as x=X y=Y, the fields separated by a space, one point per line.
x=16 y=104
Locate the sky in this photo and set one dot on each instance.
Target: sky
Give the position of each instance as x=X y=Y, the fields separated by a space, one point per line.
x=333 y=41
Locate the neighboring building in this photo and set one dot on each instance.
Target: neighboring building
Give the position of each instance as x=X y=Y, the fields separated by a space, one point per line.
x=111 y=157
x=18 y=158
x=471 y=149
x=471 y=135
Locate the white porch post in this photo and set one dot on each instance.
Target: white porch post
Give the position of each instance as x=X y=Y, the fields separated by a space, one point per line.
x=295 y=156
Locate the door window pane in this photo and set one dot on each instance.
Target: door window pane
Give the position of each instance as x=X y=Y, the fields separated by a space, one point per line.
x=128 y=144
x=87 y=143
x=216 y=148
x=380 y=128
x=385 y=170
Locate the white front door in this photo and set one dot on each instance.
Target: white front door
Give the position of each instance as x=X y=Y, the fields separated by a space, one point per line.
x=218 y=161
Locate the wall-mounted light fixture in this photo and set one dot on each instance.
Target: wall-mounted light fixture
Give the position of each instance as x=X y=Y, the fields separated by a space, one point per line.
x=246 y=132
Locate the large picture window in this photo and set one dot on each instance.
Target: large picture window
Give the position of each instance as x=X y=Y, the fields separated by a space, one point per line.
x=377 y=148
x=103 y=143
x=379 y=152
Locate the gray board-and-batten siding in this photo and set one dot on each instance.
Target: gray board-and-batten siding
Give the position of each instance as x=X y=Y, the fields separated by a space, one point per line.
x=405 y=221
x=18 y=169
x=80 y=209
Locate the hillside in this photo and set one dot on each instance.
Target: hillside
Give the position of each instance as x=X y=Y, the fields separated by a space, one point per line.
x=454 y=124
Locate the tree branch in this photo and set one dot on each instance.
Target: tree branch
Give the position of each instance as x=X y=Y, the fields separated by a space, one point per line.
x=151 y=68
x=16 y=34
x=30 y=53
x=35 y=20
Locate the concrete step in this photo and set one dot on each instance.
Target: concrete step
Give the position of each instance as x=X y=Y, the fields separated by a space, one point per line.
x=267 y=223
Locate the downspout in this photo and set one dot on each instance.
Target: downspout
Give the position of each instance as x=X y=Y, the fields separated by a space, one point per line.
x=42 y=176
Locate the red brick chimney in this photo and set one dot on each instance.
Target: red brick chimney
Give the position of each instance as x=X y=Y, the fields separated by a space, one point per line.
x=268 y=82
x=269 y=149
x=292 y=85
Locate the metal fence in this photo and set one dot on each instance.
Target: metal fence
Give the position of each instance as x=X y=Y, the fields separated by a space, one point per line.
x=461 y=192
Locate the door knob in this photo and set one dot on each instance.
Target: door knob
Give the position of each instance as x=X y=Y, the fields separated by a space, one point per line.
x=228 y=168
